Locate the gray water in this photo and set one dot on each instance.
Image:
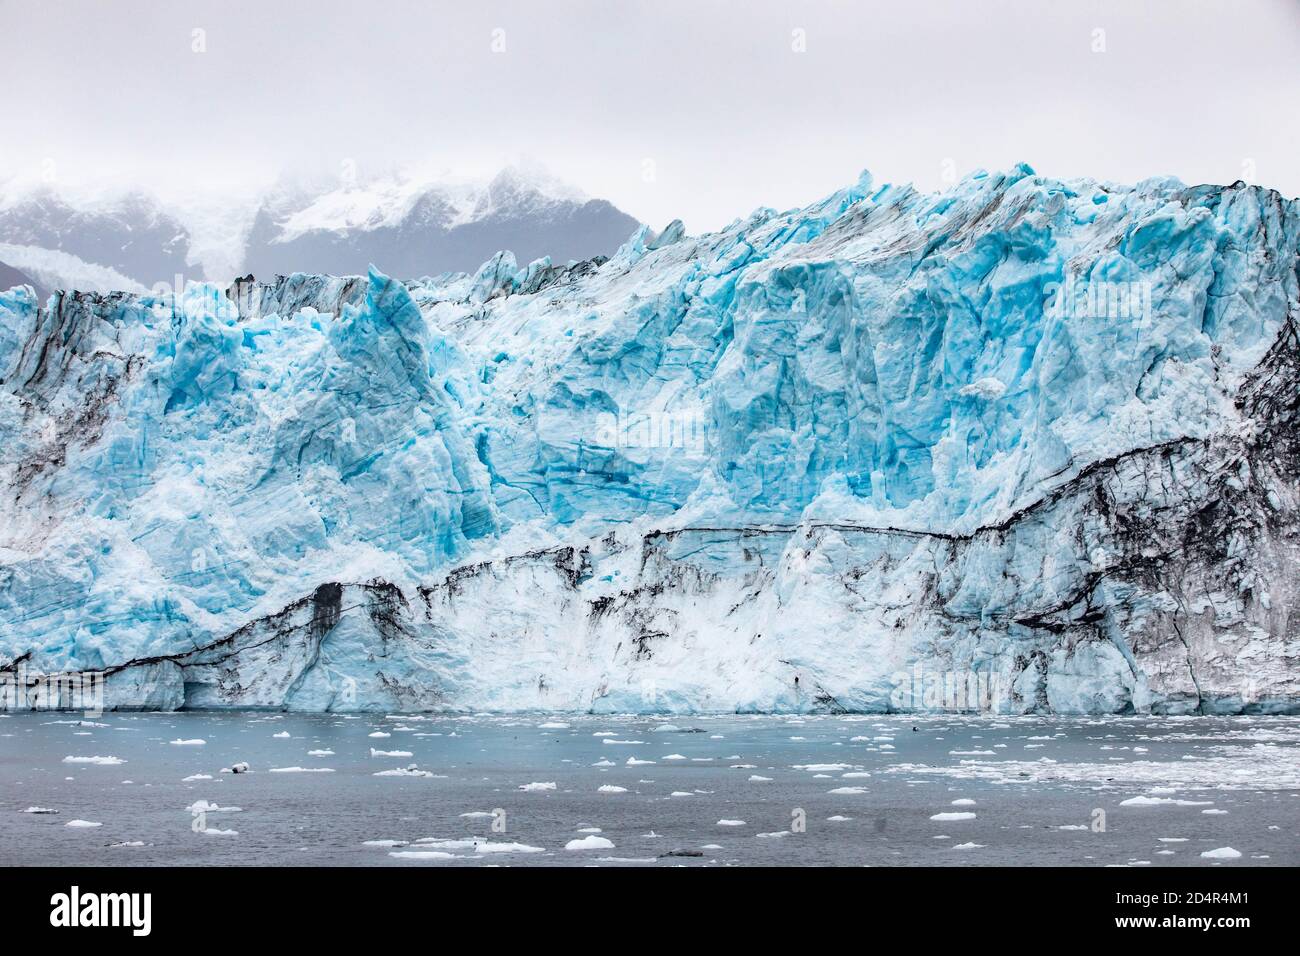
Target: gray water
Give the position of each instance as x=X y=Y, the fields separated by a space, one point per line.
x=1046 y=791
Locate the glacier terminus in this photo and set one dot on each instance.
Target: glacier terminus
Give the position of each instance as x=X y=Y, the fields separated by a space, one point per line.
x=1021 y=446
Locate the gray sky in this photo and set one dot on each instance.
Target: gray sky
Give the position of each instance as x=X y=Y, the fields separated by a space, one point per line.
x=702 y=110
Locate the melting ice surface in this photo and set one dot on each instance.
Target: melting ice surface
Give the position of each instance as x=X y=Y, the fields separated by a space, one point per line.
x=615 y=790
x=771 y=468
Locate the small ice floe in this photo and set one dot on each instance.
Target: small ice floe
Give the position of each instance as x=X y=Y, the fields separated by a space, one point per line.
x=300 y=770
x=969 y=753
x=389 y=753
x=604 y=733
x=40 y=810
x=422 y=855
x=775 y=834
x=196 y=742
x=847 y=791
x=610 y=788
x=1173 y=839
x=674 y=757
x=386 y=843
x=604 y=763
x=193 y=778
x=1222 y=853
x=744 y=766
x=823 y=767
x=411 y=770
x=755 y=778
x=487 y=847
x=855 y=775
x=476 y=815
x=377 y=733
x=203 y=806
x=945 y=817
x=96 y=760
x=322 y=753
x=281 y=735
x=124 y=843
x=623 y=743
x=1213 y=811
x=1072 y=826
x=633 y=762
x=666 y=729
x=969 y=846
x=681 y=793
x=241 y=767
x=213 y=831
x=838 y=818
x=590 y=843
x=963 y=802
x=1146 y=801
x=731 y=823
x=553 y=725
x=82 y=824
x=537 y=787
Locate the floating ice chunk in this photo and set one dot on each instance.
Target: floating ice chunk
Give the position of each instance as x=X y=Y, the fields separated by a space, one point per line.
x=553 y=725
x=476 y=815
x=322 y=753
x=731 y=823
x=507 y=848
x=969 y=846
x=610 y=788
x=963 y=802
x=537 y=787
x=848 y=791
x=282 y=735
x=681 y=793
x=377 y=733
x=82 y=824
x=674 y=757
x=213 y=831
x=1222 y=853
x=39 y=810
x=945 y=817
x=755 y=778
x=422 y=855
x=389 y=753
x=590 y=843
x=855 y=775
x=1145 y=801
x=300 y=770
x=623 y=743
x=385 y=842
x=196 y=742
x=633 y=762
x=838 y=818
x=203 y=806
x=96 y=761
x=1214 y=811
x=193 y=778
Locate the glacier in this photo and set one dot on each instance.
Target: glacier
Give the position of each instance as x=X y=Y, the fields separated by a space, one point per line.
x=1021 y=446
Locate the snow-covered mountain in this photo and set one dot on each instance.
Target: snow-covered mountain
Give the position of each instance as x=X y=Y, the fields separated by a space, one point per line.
x=409 y=225
x=126 y=242
x=413 y=227
x=1025 y=445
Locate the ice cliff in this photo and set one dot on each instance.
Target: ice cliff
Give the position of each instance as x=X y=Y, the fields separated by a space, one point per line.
x=1023 y=445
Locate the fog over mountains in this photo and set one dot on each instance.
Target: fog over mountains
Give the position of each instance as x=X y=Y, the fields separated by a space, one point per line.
x=409 y=225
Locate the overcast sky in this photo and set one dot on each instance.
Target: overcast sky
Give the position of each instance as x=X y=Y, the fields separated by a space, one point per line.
x=695 y=109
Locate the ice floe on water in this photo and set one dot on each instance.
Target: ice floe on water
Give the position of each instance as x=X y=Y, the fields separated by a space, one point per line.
x=96 y=761
x=300 y=770
x=82 y=824
x=537 y=787
x=195 y=742
x=1222 y=853
x=953 y=815
x=590 y=843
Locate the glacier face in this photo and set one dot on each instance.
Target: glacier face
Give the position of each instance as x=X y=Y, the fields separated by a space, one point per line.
x=1025 y=445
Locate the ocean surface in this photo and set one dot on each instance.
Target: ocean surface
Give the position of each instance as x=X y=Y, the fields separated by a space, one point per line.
x=541 y=790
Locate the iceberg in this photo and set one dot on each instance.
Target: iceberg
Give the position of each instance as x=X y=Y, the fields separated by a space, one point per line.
x=1022 y=446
